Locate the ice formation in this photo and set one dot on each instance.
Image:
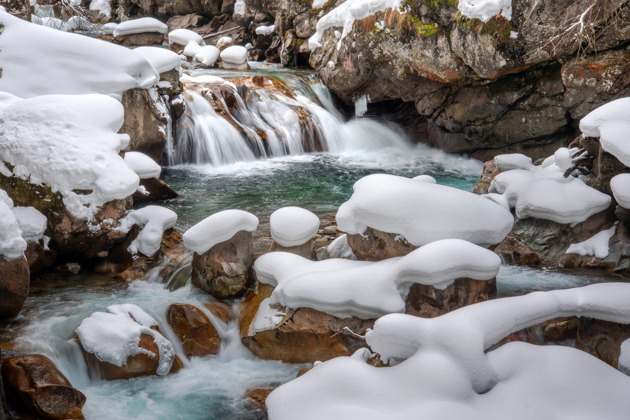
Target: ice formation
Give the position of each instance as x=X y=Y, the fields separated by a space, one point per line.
x=422 y=212
x=114 y=336
x=440 y=368
x=542 y=192
x=69 y=142
x=12 y=244
x=346 y=288
x=293 y=226
x=153 y=220
x=142 y=165
x=140 y=25
x=41 y=61
x=611 y=123
x=218 y=228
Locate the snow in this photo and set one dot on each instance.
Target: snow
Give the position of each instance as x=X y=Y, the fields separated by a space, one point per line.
x=318 y=4
x=114 y=336
x=161 y=59
x=345 y=14
x=69 y=142
x=611 y=123
x=485 y=9
x=153 y=220
x=346 y=288
x=425 y=178
x=596 y=245
x=184 y=36
x=218 y=228
x=293 y=226
x=339 y=248
x=422 y=212
x=40 y=61
x=54 y=23
x=620 y=186
x=79 y=23
x=109 y=28
x=624 y=357
x=266 y=318
x=224 y=40
x=142 y=165
x=139 y=26
x=235 y=54
x=102 y=6
x=542 y=192
x=207 y=79
x=239 y=8
x=440 y=368
x=12 y=244
x=207 y=55
x=32 y=223
x=265 y=30
x=507 y=162
x=191 y=49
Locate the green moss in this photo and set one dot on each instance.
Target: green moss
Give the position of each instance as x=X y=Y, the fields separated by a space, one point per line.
x=437 y=4
x=422 y=30
x=23 y=193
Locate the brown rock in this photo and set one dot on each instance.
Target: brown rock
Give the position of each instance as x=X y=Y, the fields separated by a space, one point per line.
x=221 y=310
x=14 y=282
x=302 y=336
x=137 y=365
x=197 y=335
x=142 y=39
x=304 y=250
x=602 y=339
x=513 y=251
x=375 y=245
x=489 y=172
x=188 y=21
x=259 y=396
x=429 y=302
x=156 y=189
x=303 y=371
x=222 y=270
x=35 y=386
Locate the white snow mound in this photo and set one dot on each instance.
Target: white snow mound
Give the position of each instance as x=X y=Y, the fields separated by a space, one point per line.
x=153 y=220
x=293 y=226
x=611 y=123
x=218 y=228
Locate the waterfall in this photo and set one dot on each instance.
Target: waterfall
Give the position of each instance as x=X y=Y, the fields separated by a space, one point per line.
x=257 y=117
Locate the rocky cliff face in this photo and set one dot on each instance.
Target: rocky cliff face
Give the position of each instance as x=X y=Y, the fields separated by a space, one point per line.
x=484 y=87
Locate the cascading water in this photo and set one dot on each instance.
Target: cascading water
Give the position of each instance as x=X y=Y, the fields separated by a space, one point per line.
x=262 y=117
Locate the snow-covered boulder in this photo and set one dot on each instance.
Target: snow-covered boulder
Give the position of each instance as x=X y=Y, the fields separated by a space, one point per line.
x=161 y=59
x=178 y=39
x=141 y=25
x=620 y=186
x=292 y=230
x=440 y=367
x=142 y=165
x=611 y=123
x=153 y=221
x=191 y=49
x=123 y=343
x=37 y=60
x=416 y=213
x=234 y=57
x=207 y=55
x=223 y=251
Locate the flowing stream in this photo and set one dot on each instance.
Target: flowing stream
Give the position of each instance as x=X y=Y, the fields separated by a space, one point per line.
x=247 y=149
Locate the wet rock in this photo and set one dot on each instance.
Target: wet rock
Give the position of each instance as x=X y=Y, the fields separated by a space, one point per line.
x=195 y=331
x=14 y=283
x=489 y=172
x=304 y=250
x=259 y=396
x=222 y=270
x=429 y=302
x=513 y=251
x=602 y=339
x=221 y=310
x=138 y=365
x=302 y=335
x=34 y=386
x=142 y=39
x=375 y=245
x=156 y=189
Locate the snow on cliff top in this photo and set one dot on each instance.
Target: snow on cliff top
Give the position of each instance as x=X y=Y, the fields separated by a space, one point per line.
x=12 y=245
x=422 y=212
x=440 y=368
x=611 y=123
x=346 y=288
x=218 y=228
x=485 y=9
x=37 y=60
x=69 y=142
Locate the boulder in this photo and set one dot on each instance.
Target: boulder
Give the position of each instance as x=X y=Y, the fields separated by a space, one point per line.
x=375 y=245
x=155 y=189
x=293 y=229
x=141 y=39
x=222 y=271
x=195 y=331
x=19 y=8
x=35 y=387
x=301 y=335
x=428 y=302
x=14 y=283
x=221 y=310
x=602 y=339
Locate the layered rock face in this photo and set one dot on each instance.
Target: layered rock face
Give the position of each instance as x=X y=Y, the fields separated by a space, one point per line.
x=484 y=87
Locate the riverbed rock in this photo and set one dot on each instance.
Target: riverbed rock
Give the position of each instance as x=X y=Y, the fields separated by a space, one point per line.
x=428 y=302
x=602 y=339
x=141 y=39
x=155 y=189
x=222 y=271
x=221 y=310
x=375 y=245
x=135 y=366
x=14 y=283
x=193 y=328
x=302 y=335
x=35 y=386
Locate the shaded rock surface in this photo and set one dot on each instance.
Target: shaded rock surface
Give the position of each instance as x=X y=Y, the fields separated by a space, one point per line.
x=15 y=278
x=193 y=328
x=602 y=339
x=35 y=387
x=375 y=245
